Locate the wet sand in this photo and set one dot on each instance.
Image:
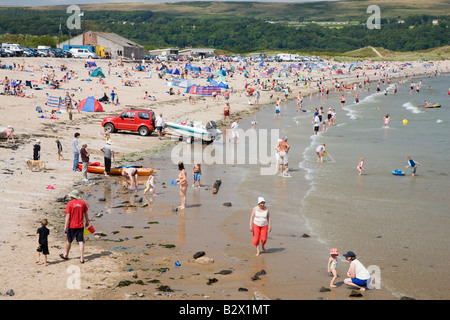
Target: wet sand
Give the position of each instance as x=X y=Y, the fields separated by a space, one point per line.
x=151 y=236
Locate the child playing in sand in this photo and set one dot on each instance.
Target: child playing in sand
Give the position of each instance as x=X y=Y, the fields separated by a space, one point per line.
x=150 y=185
x=332 y=264
x=360 y=166
x=42 y=241
x=59 y=147
x=9 y=134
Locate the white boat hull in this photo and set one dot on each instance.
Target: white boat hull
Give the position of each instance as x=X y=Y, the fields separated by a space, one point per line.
x=193 y=132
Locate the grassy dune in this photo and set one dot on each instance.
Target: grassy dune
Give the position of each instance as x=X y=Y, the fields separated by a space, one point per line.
x=441 y=53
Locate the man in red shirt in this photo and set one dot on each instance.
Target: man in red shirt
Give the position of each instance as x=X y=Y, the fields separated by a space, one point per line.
x=76 y=214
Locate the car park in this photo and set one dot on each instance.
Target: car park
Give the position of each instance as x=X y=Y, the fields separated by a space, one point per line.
x=137 y=120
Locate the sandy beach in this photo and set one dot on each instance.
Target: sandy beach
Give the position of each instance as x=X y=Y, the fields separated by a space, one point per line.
x=137 y=261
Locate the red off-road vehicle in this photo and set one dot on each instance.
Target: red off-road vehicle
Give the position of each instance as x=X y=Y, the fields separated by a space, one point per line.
x=140 y=120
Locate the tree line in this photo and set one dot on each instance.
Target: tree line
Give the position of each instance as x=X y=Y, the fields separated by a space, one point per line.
x=238 y=35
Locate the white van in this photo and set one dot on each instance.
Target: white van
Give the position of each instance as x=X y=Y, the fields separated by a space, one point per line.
x=12 y=49
x=83 y=53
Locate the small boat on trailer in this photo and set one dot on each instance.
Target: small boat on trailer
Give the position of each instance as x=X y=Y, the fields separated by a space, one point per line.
x=193 y=130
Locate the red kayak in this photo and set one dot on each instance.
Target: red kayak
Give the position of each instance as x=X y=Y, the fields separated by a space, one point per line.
x=96 y=167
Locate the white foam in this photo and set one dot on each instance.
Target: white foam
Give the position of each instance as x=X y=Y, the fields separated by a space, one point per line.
x=410 y=107
x=352 y=113
x=439 y=121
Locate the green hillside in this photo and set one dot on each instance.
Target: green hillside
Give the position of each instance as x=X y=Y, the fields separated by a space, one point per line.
x=310 y=11
x=243 y=27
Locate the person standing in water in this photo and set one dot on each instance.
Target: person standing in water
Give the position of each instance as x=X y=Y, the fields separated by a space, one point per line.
x=360 y=166
x=413 y=165
x=197 y=171
x=316 y=122
x=342 y=101
x=182 y=180
x=277 y=107
x=320 y=150
x=283 y=148
x=387 y=119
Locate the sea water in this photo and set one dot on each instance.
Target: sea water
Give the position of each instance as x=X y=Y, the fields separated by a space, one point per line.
x=397 y=224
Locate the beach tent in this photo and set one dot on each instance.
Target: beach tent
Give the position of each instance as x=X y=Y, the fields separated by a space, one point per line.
x=90 y=104
x=189 y=67
x=54 y=102
x=91 y=64
x=97 y=72
x=185 y=83
x=221 y=84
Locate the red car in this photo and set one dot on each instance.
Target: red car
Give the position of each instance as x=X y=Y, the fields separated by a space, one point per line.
x=140 y=120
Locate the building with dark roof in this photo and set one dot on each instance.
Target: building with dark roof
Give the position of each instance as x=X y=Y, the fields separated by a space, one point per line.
x=113 y=44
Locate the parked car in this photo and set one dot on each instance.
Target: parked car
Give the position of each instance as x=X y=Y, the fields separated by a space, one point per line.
x=44 y=52
x=27 y=52
x=83 y=53
x=60 y=53
x=149 y=57
x=2 y=53
x=66 y=53
x=8 y=52
x=138 y=120
x=12 y=50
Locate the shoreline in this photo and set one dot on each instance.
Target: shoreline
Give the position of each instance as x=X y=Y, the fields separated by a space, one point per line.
x=57 y=175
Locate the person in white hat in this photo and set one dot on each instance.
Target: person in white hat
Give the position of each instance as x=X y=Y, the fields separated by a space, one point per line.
x=108 y=155
x=260 y=225
x=37 y=150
